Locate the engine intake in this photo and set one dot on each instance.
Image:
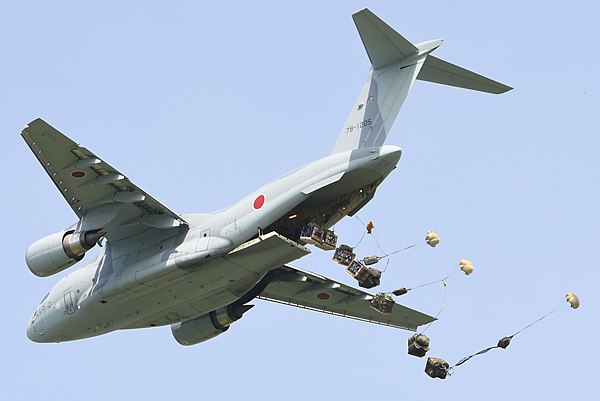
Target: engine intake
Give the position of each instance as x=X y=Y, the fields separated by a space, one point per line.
x=205 y=327
x=58 y=251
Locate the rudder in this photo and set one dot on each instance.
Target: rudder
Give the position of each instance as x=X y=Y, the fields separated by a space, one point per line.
x=387 y=85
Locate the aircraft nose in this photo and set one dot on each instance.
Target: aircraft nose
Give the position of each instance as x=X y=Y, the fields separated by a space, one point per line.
x=34 y=333
x=31 y=334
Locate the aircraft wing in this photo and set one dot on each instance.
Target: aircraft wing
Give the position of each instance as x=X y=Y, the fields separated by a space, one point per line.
x=292 y=286
x=100 y=195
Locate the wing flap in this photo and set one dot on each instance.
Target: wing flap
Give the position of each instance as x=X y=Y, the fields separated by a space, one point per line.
x=296 y=287
x=266 y=251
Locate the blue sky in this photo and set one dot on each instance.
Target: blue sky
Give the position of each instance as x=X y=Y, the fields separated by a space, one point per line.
x=202 y=104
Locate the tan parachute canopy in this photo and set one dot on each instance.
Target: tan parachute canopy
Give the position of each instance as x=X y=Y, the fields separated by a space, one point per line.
x=466 y=266
x=573 y=300
x=432 y=238
x=370 y=226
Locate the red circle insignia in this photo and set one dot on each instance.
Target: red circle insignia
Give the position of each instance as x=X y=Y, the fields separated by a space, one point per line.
x=259 y=202
x=323 y=296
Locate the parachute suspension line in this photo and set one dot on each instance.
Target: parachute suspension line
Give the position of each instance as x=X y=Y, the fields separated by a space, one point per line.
x=368 y=230
x=465 y=266
x=432 y=239
x=404 y=290
x=378 y=245
x=441 y=308
x=363 y=233
x=385 y=255
x=555 y=310
x=465 y=359
x=426 y=284
x=360 y=240
x=443 y=280
x=505 y=341
x=386 y=266
x=439 y=368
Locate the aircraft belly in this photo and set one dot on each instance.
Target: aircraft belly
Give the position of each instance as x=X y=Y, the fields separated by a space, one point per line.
x=198 y=291
x=176 y=308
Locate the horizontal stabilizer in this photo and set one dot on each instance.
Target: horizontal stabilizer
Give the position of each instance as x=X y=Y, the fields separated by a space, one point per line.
x=443 y=72
x=383 y=44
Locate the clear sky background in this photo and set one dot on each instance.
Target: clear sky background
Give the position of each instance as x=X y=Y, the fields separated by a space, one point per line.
x=200 y=103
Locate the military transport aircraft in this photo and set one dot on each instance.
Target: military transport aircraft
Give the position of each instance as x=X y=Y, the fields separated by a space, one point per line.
x=197 y=272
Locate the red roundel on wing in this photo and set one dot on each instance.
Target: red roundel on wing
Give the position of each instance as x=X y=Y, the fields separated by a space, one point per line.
x=78 y=174
x=259 y=202
x=323 y=296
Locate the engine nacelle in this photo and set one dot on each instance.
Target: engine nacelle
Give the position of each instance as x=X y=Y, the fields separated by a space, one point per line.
x=56 y=252
x=207 y=326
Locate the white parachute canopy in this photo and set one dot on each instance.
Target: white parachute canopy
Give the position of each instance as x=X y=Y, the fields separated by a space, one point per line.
x=432 y=238
x=466 y=266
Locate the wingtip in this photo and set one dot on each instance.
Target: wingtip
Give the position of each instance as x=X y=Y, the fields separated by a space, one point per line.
x=503 y=89
x=31 y=123
x=37 y=120
x=362 y=11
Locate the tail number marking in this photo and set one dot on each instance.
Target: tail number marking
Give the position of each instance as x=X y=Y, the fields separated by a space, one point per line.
x=358 y=125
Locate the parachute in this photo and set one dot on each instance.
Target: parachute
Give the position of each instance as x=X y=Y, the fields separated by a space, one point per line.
x=573 y=300
x=466 y=266
x=432 y=238
x=370 y=227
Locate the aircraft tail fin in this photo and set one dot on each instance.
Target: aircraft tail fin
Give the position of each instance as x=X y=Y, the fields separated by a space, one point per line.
x=396 y=64
x=383 y=44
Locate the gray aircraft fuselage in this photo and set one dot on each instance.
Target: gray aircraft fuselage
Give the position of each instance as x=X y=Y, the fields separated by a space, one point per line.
x=183 y=272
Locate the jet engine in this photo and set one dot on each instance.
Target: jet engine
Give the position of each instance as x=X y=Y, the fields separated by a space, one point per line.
x=207 y=326
x=58 y=251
